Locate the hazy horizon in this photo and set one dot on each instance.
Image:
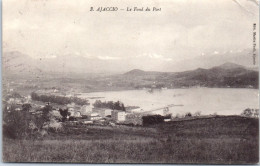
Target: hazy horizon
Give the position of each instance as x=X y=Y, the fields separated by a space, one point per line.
x=184 y=35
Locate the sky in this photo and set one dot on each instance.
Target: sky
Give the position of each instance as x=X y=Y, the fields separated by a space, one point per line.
x=182 y=31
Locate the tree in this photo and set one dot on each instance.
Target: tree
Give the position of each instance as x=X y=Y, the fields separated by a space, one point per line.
x=248 y=112
x=97 y=104
x=44 y=118
x=26 y=107
x=64 y=113
x=16 y=123
x=152 y=119
x=123 y=107
x=117 y=106
x=22 y=124
x=110 y=104
x=58 y=99
x=188 y=114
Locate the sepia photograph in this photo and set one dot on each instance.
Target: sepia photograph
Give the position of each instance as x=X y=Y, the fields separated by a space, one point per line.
x=130 y=81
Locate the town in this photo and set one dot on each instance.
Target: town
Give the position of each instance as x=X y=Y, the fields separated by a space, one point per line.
x=74 y=110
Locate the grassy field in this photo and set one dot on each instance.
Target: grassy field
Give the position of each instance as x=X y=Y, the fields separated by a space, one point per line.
x=214 y=140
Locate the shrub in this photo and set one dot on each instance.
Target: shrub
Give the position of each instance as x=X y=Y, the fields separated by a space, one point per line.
x=250 y=112
x=152 y=119
x=188 y=114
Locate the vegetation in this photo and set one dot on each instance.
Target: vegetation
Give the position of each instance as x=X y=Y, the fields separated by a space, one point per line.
x=16 y=123
x=226 y=75
x=152 y=119
x=26 y=107
x=217 y=140
x=59 y=99
x=13 y=95
x=110 y=104
x=22 y=124
x=250 y=112
x=188 y=114
x=64 y=113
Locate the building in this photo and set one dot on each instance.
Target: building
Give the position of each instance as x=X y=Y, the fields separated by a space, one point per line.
x=135 y=119
x=86 y=110
x=71 y=105
x=118 y=116
x=103 y=112
x=77 y=114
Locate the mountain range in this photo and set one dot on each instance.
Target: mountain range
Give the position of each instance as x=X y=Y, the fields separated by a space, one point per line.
x=225 y=75
x=17 y=62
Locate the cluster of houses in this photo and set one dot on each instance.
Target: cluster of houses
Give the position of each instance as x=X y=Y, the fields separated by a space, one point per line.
x=86 y=114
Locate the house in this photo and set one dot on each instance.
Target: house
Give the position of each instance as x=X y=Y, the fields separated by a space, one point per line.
x=118 y=116
x=77 y=114
x=71 y=105
x=86 y=110
x=135 y=119
x=71 y=112
x=104 y=112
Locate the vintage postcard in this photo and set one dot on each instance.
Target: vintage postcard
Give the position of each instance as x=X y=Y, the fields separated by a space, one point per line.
x=130 y=81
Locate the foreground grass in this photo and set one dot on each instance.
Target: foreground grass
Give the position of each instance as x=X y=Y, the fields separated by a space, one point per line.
x=223 y=140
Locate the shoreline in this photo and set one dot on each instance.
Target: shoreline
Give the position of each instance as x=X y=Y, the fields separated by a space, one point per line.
x=133 y=89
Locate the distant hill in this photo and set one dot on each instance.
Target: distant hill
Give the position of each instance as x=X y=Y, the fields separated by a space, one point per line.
x=135 y=72
x=225 y=75
x=229 y=65
x=138 y=72
x=18 y=63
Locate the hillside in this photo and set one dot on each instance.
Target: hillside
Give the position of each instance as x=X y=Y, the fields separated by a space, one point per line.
x=30 y=78
x=16 y=62
x=135 y=72
x=215 y=140
x=225 y=75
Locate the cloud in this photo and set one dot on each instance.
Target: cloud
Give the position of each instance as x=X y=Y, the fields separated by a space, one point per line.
x=154 y=56
x=167 y=59
x=179 y=32
x=108 y=58
x=51 y=56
